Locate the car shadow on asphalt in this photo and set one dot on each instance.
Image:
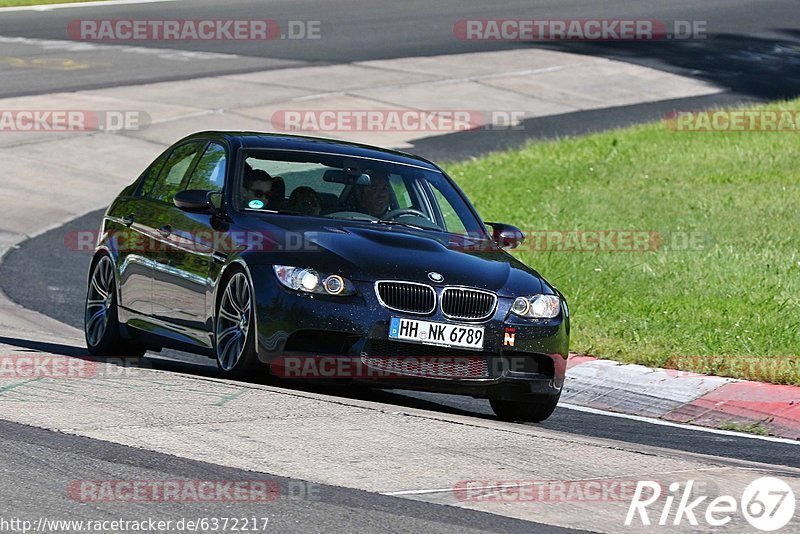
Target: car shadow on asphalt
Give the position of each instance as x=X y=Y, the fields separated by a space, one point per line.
x=156 y=362
x=80 y=352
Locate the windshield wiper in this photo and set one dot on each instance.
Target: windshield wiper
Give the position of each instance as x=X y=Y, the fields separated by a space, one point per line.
x=279 y=212
x=388 y=222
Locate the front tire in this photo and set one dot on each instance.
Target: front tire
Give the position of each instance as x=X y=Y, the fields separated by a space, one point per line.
x=101 y=322
x=234 y=329
x=530 y=411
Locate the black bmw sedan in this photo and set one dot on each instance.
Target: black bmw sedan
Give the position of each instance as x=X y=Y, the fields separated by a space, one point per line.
x=317 y=259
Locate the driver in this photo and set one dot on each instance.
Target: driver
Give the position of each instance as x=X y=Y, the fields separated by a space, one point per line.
x=373 y=199
x=257 y=187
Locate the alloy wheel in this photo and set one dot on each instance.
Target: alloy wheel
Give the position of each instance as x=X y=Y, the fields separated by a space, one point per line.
x=99 y=301
x=233 y=322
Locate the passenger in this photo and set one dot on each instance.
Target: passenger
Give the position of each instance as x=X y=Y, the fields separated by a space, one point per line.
x=304 y=200
x=277 y=197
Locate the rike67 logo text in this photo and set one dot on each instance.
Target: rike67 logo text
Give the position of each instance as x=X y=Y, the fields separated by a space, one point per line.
x=768 y=504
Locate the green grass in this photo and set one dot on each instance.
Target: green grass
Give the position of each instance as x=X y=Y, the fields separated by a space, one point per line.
x=10 y=3
x=751 y=428
x=730 y=306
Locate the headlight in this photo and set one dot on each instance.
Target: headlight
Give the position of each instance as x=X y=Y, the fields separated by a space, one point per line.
x=537 y=307
x=310 y=281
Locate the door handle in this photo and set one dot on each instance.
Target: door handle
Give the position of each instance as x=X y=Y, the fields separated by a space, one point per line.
x=129 y=220
x=165 y=230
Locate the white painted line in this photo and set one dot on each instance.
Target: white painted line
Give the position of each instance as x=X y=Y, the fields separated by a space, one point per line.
x=661 y=422
x=416 y=492
x=101 y=3
x=82 y=46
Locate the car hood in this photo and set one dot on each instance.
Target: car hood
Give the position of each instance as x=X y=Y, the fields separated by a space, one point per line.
x=364 y=252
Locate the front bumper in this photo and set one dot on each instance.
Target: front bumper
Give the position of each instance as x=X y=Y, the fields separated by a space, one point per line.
x=520 y=358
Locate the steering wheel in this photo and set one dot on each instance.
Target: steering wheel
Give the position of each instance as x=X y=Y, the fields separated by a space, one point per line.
x=405 y=211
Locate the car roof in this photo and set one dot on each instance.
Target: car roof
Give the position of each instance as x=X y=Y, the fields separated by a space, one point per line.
x=275 y=141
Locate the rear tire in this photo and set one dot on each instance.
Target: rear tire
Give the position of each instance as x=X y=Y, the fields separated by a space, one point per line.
x=530 y=411
x=101 y=323
x=234 y=329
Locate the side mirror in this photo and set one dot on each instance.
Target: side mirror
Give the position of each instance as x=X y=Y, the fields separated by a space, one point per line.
x=195 y=200
x=506 y=236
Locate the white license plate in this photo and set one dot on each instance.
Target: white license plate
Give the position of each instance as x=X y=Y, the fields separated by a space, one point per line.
x=440 y=334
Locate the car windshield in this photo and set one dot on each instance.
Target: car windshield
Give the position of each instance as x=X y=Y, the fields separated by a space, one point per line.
x=353 y=189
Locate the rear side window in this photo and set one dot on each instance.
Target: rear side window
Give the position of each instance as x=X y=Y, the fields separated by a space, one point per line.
x=210 y=170
x=171 y=176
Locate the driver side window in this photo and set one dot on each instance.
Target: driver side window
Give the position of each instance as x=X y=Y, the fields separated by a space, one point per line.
x=452 y=222
x=171 y=175
x=400 y=192
x=209 y=173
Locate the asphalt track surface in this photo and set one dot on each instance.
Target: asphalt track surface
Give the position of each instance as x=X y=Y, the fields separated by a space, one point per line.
x=43 y=274
x=39 y=466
